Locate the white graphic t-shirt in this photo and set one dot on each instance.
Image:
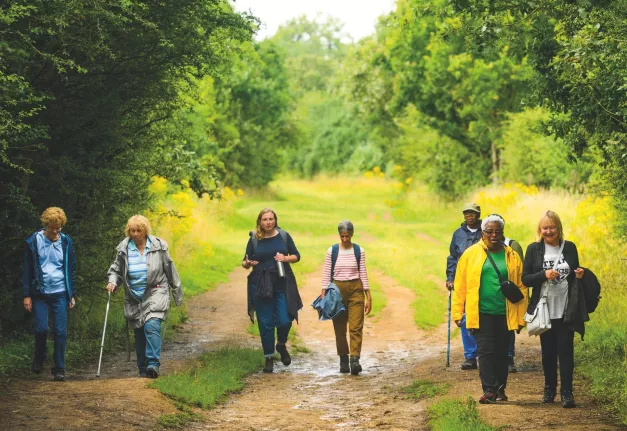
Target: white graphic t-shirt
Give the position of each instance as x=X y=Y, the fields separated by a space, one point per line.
x=556 y=290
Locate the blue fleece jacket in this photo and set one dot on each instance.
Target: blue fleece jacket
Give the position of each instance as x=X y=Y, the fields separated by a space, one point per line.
x=32 y=275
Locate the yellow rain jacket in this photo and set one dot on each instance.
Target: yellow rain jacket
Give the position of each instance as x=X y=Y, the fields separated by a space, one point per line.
x=468 y=279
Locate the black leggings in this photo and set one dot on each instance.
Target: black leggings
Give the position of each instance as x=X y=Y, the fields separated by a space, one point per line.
x=556 y=343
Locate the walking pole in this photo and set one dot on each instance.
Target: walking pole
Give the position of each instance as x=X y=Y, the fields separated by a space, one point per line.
x=448 y=344
x=104 y=330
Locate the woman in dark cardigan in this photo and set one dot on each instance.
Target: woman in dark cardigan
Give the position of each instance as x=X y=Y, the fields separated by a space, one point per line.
x=273 y=298
x=555 y=281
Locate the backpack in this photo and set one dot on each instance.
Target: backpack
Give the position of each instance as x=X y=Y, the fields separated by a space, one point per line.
x=255 y=241
x=335 y=251
x=591 y=290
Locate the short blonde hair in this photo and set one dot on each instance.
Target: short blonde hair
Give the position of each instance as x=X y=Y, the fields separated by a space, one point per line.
x=552 y=216
x=137 y=221
x=53 y=216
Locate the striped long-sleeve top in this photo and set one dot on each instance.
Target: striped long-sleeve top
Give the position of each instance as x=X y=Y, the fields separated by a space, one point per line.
x=345 y=268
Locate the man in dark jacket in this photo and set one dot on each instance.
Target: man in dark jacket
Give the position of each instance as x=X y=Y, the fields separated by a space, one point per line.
x=469 y=233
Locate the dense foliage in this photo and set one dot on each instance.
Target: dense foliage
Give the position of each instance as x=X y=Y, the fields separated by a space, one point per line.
x=98 y=97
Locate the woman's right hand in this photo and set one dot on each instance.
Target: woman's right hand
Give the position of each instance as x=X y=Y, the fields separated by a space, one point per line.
x=324 y=292
x=28 y=304
x=248 y=263
x=551 y=274
x=110 y=287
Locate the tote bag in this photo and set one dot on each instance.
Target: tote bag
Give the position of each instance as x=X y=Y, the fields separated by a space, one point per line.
x=540 y=321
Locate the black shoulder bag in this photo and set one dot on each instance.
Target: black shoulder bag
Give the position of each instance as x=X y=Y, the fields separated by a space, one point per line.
x=508 y=288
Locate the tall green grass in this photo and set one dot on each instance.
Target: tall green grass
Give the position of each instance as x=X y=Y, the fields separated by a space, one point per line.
x=455 y=415
x=216 y=375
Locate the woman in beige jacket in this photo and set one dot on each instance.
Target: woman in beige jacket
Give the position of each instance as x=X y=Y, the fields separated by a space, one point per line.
x=147 y=271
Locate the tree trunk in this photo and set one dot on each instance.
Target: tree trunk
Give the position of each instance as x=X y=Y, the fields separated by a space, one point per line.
x=495 y=162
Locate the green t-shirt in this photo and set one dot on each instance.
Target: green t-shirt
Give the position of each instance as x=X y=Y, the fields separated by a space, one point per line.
x=491 y=299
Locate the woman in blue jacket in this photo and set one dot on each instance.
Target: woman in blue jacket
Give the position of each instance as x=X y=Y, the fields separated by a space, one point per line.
x=48 y=285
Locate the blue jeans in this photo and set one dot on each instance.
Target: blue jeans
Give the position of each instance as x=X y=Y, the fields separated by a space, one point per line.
x=470 y=345
x=57 y=303
x=148 y=344
x=271 y=314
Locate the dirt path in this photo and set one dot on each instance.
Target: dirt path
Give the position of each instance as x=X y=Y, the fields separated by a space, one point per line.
x=119 y=400
x=310 y=394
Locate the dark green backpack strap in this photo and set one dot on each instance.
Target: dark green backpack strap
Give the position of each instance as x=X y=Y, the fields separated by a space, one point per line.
x=357 y=251
x=335 y=250
x=254 y=241
x=283 y=235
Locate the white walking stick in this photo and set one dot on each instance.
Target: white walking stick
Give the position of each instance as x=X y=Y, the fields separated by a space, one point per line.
x=104 y=330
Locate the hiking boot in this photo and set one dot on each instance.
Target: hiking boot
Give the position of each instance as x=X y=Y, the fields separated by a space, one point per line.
x=59 y=376
x=510 y=365
x=568 y=402
x=269 y=367
x=152 y=372
x=488 y=397
x=286 y=359
x=344 y=368
x=36 y=367
x=355 y=366
x=549 y=395
x=469 y=364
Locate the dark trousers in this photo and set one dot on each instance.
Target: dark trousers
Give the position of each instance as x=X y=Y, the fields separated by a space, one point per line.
x=57 y=305
x=272 y=314
x=556 y=343
x=493 y=341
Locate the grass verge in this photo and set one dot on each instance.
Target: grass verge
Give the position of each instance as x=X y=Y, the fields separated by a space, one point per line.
x=456 y=415
x=422 y=389
x=179 y=420
x=216 y=375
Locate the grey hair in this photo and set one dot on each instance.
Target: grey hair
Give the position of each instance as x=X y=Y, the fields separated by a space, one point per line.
x=493 y=218
x=346 y=226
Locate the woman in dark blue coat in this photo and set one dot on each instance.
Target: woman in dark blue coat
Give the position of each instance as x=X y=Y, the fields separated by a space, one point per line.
x=273 y=297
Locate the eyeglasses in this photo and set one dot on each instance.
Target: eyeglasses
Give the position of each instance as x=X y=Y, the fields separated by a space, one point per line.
x=493 y=232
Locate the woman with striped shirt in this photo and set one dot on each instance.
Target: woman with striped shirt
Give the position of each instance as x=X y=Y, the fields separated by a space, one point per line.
x=351 y=276
x=144 y=266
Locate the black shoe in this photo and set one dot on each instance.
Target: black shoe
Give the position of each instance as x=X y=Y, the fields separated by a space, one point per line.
x=36 y=367
x=59 y=376
x=469 y=364
x=568 y=402
x=143 y=374
x=152 y=372
x=549 y=395
x=269 y=367
x=344 y=368
x=510 y=365
x=286 y=359
x=355 y=365
x=500 y=395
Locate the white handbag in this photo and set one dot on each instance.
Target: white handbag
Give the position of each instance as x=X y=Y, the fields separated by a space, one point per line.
x=540 y=321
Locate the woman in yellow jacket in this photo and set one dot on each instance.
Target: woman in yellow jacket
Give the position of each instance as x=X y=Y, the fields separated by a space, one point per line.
x=490 y=316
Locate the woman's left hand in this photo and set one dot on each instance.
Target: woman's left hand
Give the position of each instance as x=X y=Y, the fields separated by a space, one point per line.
x=73 y=303
x=279 y=257
x=579 y=272
x=367 y=306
